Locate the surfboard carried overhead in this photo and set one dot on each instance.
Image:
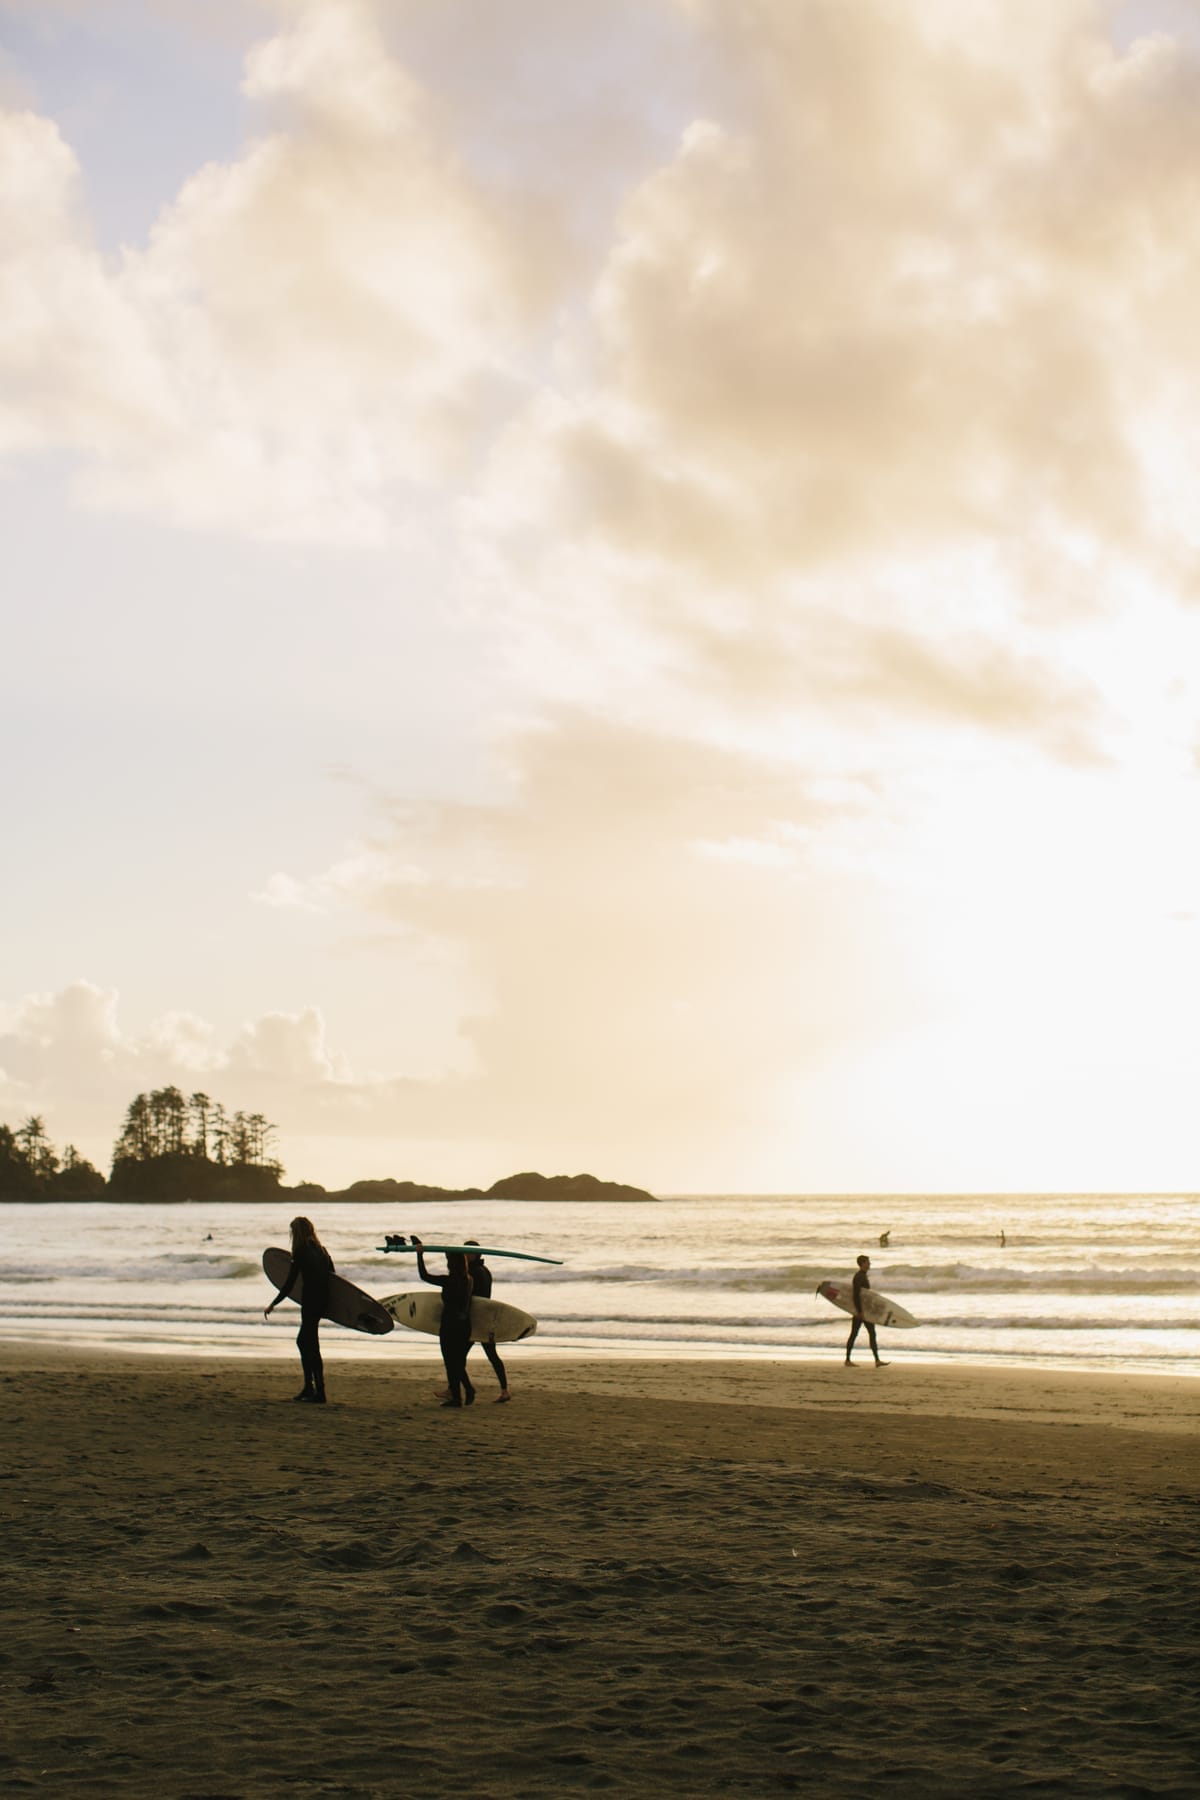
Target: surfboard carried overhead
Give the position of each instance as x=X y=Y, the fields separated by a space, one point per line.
x=876 y=1307
x=348 y=1305
x=490 y=1319
x=401 y=1245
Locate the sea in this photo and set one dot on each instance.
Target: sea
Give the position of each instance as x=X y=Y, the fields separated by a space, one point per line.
x=1056 y=1281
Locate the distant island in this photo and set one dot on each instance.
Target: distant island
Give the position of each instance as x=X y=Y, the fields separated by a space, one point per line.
x=176 y=1147
x=527 y=1186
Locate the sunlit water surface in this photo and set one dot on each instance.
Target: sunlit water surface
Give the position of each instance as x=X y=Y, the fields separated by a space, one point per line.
x=1080 y=1281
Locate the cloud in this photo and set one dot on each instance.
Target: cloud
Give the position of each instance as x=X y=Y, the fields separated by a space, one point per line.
x=910 y=279
x=364 y=869
x=48 y=1035
x=668 y=927
x=645 y=940
x=853 y=303
x=315 y=332
x=285 y=892
x=856 y=669
x=75 y=369
x=69 y=1050
x=286 y=1048
x=887 y=374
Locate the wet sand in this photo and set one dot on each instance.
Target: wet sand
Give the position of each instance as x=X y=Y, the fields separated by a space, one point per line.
x=641 y=1578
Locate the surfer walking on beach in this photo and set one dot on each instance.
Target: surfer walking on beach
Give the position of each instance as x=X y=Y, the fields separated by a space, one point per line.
x=481 y=1289
x=862 y=1281
x=454 y=1333
x=313 y=1265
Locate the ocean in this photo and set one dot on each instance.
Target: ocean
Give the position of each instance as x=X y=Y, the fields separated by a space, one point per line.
x=1085 y=1281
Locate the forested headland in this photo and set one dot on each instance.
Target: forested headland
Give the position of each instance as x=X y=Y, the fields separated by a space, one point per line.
x=175 y=1146
x=172 y=1146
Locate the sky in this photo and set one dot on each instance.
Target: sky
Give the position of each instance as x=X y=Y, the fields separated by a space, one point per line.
x=607 y=587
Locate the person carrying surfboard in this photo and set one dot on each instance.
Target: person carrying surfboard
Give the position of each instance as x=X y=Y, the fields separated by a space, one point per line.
x=481 y=1289
x=481 y=1286
x=312 y=1263
x=454 y=1332
x=862 y=1280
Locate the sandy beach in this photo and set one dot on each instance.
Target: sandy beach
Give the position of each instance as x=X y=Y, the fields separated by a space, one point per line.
x=643 y=1578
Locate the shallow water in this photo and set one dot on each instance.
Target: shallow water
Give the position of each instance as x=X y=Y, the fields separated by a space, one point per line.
x=1081 y=1281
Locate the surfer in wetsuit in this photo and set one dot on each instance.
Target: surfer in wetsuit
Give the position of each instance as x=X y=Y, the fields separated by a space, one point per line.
x=862 y=1281
x=454 y=1333
x=481 y=1288
x=313 y=1265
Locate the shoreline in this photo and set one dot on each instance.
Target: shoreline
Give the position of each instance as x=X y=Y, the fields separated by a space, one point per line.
x=406 y=1350
x=1120 y=1400
x=641 y=1578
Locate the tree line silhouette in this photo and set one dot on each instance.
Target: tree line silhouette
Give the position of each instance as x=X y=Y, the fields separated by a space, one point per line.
x=172 y=1146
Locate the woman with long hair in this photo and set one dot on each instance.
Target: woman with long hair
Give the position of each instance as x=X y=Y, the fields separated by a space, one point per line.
x=312 y=1265
x=454 y=1333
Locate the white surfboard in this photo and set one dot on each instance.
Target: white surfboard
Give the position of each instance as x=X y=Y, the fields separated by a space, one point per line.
x=876 y=1307
x=422 y=1311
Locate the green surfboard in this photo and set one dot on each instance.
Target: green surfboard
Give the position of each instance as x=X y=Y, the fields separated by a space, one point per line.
x=393 y=1245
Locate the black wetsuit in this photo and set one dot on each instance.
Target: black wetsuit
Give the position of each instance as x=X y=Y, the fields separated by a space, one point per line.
x=481 y=1280
x=861 y=1280
x=314 y=1266
x=454 y=1332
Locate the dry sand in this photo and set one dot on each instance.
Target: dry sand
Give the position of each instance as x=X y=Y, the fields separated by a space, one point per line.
x=651 y=1579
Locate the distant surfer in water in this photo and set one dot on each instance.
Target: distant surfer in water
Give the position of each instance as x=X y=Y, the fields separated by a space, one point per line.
x=862 y=1281
x=454 y=1333
x=313 y=1265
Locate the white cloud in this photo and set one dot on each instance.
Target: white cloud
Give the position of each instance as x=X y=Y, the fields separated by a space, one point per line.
x=69 y=1052
x=888 y=376
x=75 y=367
x=364 y=873
x=286 y=892
x=179 y=1040
x=920 y=274
x=68 y=1056
x=77 y=1026
x=288 y=1048
x=314 y=330
x=631 y=986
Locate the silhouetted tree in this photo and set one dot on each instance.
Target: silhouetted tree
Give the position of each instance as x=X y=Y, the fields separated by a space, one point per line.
x=78 y=1179
x=156 y=1157
x=136 y=1141
x=220 y=1134
x=16 y=1176
x=239 y=1141
x=168 y=1112
x=29 y=1167
x=37 y=1149
x=200 y=1107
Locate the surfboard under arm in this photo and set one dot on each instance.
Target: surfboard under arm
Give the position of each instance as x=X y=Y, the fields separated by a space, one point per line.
x=490 y=1319
x=348 y=1305
x=877 y=1309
